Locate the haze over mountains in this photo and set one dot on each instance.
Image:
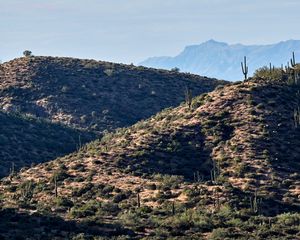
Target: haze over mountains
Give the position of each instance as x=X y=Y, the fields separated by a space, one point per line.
x=222 y=60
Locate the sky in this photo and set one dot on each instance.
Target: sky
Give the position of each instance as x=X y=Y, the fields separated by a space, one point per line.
x=130 y=31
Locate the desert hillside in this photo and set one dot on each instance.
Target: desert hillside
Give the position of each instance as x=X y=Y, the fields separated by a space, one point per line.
x=92 y=94
x=225 y=166
x=82 y=95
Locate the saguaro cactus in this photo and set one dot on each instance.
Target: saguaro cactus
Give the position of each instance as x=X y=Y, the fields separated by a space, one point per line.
x=296 y=117
x=255 y=203
x=213 y=175
x=215 y=171
x=270 y=67
x=197 y=177
x=27 y=191
x=294 y=71
x=287 y=67
x=293 y=61
x=12 y=169
x=245 y=68
x=173 y=208
x=55 y=186
x=138 y=200
x=188 y=97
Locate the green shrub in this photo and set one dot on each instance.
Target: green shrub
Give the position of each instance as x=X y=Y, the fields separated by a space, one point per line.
x=110 y=208
x=64 y=202
x=168 y=181
x=119 y=197
x=88 y=209
x=219 y=234
x=266 y=73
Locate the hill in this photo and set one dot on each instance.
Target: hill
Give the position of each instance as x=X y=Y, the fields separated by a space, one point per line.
x=225 y=167
x=90 y=94
x=82 y=95
x=222 y=60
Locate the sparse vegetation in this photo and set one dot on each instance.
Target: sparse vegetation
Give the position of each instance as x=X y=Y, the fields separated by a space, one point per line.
x=89 y=94
x=224 y=166
x=275 y=74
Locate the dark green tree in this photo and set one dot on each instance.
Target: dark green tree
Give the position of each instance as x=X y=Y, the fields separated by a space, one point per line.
x=27 y=53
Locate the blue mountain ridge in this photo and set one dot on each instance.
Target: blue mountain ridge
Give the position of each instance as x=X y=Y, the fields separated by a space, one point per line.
x=222 y=60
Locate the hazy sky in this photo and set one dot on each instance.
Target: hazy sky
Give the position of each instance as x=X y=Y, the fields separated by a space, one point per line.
x=132 y=30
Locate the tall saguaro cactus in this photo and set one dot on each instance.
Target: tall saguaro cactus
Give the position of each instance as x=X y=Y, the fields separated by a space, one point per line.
x=55 y=186
x=293 y=61
x=294 y=70
x=245 y=68
x=188 y=97
x=138 y=200
x=255 y=203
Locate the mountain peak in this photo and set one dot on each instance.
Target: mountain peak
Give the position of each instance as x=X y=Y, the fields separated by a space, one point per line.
x=222 y=60
x=212 y=41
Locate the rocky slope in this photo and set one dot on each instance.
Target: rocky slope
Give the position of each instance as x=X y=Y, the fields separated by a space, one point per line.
x=81 y=94
x=225 y=167
x=90 y=94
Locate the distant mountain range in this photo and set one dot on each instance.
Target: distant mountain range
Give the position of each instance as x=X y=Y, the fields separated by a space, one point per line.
x=222 y=60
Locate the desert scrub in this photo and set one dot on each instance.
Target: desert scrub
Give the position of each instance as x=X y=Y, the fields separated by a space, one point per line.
x=274 y=74
x=88 y=209
x=168 y=181
x=64 y=202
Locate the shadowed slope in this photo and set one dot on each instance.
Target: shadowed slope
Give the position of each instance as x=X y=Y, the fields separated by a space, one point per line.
x=14 y=225
x=25 y=141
